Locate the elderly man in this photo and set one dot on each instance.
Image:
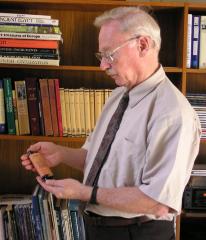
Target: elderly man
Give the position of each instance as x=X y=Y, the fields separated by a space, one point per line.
x=134 y=173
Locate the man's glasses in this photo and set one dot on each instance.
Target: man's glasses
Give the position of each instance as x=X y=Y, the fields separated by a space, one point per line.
x=109 y=55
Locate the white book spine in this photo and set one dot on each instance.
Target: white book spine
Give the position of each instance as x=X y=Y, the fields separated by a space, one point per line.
x=29 y=61
x=28 y=20
x=189 y=41
x=35 y=36
x=24 y=15
x=202 y=59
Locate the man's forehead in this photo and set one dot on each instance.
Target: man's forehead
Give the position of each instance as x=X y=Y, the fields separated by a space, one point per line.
x=110 y=34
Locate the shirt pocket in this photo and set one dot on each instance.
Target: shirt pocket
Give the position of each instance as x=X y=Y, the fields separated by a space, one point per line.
x=125 y=162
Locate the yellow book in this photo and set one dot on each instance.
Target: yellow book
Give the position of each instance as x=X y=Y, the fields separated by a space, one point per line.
x=68 y=112
x=87 y=111
x=97 y=103
x=77 y=112
x=92 y=114
x=22 y=107
x=15 y=111
x=72 y=113
x=82 y=113
x=63 y=110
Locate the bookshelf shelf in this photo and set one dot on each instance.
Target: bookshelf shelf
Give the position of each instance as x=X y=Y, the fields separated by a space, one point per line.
x=196 y=71
x=79 y=140
x=75 y=68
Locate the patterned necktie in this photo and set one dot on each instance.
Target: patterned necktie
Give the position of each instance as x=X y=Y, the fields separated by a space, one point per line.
x=107 y=140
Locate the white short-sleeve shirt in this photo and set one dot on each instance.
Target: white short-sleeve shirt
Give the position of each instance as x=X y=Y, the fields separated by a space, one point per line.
x=154 y=148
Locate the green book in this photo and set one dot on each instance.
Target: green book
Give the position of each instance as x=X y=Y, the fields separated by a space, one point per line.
x=10 y=119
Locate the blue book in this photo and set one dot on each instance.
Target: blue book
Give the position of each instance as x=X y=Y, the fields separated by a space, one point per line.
x=36 y=215
x=76 y=220
x=195 y=41
x=2 y=109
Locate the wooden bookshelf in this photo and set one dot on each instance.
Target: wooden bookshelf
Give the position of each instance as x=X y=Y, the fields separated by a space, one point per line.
x=79 y=68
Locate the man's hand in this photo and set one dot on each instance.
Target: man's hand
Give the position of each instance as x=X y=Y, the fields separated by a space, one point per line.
x=67 y=188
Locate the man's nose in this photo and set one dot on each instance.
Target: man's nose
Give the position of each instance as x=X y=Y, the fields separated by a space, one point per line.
x=104 y=65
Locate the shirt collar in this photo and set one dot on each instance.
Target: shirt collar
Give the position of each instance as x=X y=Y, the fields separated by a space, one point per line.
x=144 y=88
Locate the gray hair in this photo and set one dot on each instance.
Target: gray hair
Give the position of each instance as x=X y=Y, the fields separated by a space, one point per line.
x=133 y=20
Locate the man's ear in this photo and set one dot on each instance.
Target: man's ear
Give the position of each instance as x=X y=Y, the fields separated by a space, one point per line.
x=144 y=45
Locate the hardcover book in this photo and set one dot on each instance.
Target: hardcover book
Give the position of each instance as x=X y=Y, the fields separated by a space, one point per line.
x=2 y=109
x=34 y=120
x=53 y=105
x=202 y=60
x=22 y=107
x=10 y=119
x=46 y=107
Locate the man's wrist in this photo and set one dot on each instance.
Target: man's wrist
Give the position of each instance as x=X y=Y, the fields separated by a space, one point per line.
x=93 y=198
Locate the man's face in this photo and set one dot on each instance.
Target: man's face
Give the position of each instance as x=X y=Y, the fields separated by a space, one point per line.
x=122 y=65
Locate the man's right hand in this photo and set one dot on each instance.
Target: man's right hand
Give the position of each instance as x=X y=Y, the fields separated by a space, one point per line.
x=50 y=151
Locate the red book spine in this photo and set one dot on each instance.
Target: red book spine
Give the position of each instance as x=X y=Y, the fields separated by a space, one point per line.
x=24 y=43
x=59 y=114
x=53 y=105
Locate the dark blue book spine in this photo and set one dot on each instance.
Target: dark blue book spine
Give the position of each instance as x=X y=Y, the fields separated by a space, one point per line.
x=195 y=41
x=36 y=215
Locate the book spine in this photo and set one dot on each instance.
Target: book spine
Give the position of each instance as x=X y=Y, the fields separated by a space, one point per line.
x=15 y=112
x=189 y=40
x=59 y=111
x=28 y=50
x=25 y=43
x=68 y=112
x=77 y=112
x=35 y=36
x=22 y=107
x=72 y=112
x=2 y=109
x=87 y=111
x=30 y=29
x=82 y=113
x=25 y=15
x=202 y=59
x=37 y=216
x=63 y=111
x=195 y=41
x=29 y=61
x=52 y=98
x=28 y=21
x=31 y=88
x=46 y=107
x=9 y=106
x=92 y=108
x=28 y=55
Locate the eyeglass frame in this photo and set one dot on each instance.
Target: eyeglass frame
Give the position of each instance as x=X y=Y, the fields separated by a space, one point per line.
x=109 y=56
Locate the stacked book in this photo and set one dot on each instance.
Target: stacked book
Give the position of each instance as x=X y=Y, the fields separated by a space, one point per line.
x=29 y=39
x=198 y=101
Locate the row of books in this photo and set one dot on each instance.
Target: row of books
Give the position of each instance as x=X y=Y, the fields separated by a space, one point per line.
x=40 y=107
x=196 y=57
x=40 y=216
x=29 y=39
x=198 y=101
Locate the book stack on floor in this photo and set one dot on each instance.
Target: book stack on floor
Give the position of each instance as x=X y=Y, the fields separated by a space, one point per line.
x=29 y=39
x=198 y=101
x=40 y=216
